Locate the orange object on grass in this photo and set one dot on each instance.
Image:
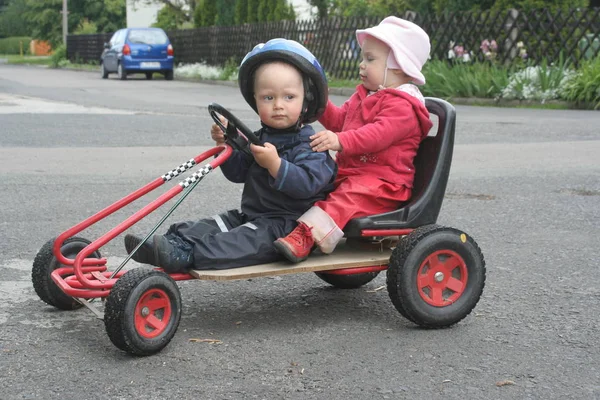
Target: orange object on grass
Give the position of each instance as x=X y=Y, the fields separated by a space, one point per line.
x=40 y=48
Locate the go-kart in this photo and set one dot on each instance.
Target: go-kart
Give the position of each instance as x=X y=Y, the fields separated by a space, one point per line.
x=435 y=274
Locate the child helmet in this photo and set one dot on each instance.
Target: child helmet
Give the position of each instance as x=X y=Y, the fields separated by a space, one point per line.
x=291 y=52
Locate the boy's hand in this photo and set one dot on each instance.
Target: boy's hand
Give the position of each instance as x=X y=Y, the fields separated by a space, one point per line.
x=325 y=140
x=217 y=134
x=267 y=157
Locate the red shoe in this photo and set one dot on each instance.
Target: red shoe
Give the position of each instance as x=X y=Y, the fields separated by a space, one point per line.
x=297 y=245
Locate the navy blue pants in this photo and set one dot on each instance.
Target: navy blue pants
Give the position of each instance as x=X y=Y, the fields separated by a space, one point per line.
x=229 y=240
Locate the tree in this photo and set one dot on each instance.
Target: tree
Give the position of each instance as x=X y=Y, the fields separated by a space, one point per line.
x=271 y=6
x=282 y=11
x=252 y=11
x=323 y=7
x=184 y=9
x=12 y=20
x=241 y=12
x=169 y=19
x=225 y=13
x=527 y=5
x=263 y=11
x=206 y=13
x=44 y=17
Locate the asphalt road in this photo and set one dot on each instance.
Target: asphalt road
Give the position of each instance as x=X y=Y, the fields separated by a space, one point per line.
x=524 y=184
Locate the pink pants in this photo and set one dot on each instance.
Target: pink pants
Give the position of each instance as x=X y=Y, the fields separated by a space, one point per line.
x=359 y=196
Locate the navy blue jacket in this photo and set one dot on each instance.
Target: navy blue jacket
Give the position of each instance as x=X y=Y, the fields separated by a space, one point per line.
x=304 y=177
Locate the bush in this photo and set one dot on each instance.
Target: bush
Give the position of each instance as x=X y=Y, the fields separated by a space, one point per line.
x=12 y=45
x=540 y=82
x=458 y=79
x=59 y=57
x=230 y=70
x=584 y=87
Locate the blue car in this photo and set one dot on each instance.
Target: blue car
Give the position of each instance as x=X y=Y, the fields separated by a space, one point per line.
x=138 y=50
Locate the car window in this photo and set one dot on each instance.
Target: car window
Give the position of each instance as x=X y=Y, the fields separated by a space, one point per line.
x=113 y=39
x=121 y=37
x=147 y=37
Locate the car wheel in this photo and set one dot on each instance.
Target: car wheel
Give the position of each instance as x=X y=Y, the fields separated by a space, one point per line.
x=121 y=72
x=103 y=71
x=169 y=75
x=149 y=75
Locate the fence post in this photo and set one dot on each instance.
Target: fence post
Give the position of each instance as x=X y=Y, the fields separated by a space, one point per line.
x=513 y=33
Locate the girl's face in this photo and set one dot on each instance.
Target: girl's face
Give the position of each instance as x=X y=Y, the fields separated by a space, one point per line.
x=373 y=66
x=279 y=94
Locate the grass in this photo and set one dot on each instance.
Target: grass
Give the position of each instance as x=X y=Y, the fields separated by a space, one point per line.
x=337 y=83
x=31 y=60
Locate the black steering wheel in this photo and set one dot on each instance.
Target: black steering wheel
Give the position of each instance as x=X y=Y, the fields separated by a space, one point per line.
x=238 y=135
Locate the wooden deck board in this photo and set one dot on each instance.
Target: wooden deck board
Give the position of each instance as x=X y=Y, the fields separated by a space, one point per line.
x=344 y=256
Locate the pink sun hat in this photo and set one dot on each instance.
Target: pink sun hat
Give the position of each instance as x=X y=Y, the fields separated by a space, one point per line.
x=409 y=45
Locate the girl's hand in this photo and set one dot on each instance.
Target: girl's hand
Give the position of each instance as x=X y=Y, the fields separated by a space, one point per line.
x=324 y=141
x=267 y=157
x=217 y=134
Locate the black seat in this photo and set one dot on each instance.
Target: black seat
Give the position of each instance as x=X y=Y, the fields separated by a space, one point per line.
x=432 y=167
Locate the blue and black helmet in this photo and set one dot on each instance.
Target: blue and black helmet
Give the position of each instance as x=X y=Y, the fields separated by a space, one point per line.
x=292 y=52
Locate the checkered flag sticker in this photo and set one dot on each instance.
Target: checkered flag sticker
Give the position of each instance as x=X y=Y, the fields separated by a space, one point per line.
x=196 y=176
x=182 y=168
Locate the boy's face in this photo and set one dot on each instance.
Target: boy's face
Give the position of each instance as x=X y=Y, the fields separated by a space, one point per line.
x=279 y=94
x=374 y=63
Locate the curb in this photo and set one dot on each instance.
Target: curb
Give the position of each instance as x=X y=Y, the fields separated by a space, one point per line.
x=348 y=91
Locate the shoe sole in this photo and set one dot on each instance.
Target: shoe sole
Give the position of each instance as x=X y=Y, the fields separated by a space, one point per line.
x=284 y=250
x=144 y=255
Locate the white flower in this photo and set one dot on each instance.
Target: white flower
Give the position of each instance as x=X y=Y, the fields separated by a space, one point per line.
x=201 y=71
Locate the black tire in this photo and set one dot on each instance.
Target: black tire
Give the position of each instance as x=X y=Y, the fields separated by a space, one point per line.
x=103 y=71
x=436 y=299
x=124 y=311
x=149 y=75
x=347 y=281
x=169 y=75
x=121 y=72
x=43 y=265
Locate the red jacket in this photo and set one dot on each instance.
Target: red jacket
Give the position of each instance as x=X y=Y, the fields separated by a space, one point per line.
x=379 y=134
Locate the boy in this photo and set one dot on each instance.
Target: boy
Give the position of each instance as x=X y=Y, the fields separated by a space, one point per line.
x=284 y=83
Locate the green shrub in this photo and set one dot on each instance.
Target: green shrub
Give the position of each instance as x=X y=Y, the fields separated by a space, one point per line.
x=86 y=27
x=230 y=70
x=59 y=57
x=584 y=88
x=539 y=82
x=459 y=79
x=12 y=45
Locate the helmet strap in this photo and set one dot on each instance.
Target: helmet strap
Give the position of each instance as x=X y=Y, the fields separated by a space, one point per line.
x=308 y=97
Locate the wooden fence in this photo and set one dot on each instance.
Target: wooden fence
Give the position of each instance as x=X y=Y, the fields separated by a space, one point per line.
x=536 y=35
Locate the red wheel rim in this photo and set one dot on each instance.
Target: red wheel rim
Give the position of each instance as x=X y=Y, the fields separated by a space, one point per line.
x=442 y=278
x=152 y=313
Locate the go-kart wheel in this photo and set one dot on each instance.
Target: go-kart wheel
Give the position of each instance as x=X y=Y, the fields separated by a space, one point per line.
x=43 y=265
x=347 y=281
x=436 y=276
x=142 y=311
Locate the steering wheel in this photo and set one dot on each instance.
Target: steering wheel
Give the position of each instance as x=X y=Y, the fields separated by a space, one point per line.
x=238 y=135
